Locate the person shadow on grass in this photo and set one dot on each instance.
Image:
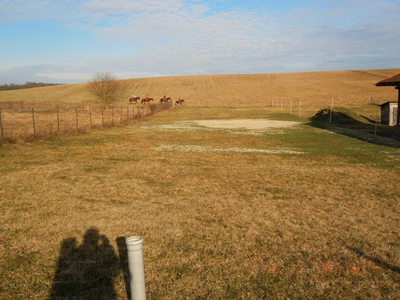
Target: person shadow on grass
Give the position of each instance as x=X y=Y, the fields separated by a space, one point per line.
x=86 y=271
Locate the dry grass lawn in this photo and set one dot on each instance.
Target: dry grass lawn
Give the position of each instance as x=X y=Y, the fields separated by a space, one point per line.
x=319 y=221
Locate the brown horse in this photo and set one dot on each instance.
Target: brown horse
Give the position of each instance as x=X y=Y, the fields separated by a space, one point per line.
x=144 y=100
x=177 y=102
x=166 y=100
x=131 y=100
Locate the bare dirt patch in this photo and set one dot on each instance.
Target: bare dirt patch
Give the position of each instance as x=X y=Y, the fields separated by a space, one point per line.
x=196 y=148
x=233 y=125
x=250 y=124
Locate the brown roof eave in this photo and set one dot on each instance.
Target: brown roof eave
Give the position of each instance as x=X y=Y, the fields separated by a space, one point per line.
x=391 y=81
x=388 y=83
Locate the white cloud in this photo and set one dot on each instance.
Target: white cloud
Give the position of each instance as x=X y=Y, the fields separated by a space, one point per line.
x=33 y=10
x=123 y=7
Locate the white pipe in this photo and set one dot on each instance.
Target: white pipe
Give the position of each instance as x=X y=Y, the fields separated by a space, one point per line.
x=136 y=267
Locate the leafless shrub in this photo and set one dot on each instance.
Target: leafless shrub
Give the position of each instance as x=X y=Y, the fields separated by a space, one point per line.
x=153 y=108
x=106 y=87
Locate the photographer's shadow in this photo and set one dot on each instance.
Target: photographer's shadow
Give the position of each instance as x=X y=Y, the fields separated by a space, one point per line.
x=86 y=271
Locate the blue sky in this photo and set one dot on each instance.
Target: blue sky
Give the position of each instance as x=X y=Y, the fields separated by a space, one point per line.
x=69 y=41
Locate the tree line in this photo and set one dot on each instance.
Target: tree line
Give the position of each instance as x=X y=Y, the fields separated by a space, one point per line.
x=26 y=85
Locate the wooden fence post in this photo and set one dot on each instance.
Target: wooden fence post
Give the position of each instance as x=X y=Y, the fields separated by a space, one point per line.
x=300 y=108
x=58 y=120
x=90 y=116
x=76 y=117
x=376 y=117
x=102 y=117
x=1 y=126
x=33 y=121
x=113 y=123
x=330 y=116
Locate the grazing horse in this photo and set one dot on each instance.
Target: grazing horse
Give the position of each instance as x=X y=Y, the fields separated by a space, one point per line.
x=166 y=99
x=131 y=100
x=144 y=100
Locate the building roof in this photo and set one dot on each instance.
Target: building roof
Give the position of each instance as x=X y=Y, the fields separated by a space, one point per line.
x=391 y=81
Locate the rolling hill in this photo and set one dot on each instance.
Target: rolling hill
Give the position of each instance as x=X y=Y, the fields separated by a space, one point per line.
x=236 y=90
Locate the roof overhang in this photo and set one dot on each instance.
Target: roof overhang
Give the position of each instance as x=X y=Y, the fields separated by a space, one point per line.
x=391 y=81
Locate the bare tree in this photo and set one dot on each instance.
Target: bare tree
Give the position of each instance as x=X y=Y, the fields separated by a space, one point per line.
x=106 y=87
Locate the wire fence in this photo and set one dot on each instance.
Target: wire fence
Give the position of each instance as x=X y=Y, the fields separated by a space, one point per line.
x=26 y=121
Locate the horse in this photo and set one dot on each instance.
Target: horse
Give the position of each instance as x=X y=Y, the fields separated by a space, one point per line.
x=166 y=100
x=131 y=100
x=144 y=100
x=177 y=102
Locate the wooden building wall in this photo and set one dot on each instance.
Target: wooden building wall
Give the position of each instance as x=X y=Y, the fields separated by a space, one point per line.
x=389 y=113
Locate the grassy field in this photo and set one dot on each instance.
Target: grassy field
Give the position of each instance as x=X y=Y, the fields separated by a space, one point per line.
x=300 y=210
x=245 y=201
x=300 y=94
x=256 y=90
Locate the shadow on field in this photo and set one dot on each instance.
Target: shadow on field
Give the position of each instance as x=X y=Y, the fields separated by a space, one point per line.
x=87 y=271
x=346 y=122
x=375 y=260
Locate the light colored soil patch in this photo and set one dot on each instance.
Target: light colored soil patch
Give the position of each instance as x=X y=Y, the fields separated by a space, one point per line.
x=196 y=148
x=252 y=126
